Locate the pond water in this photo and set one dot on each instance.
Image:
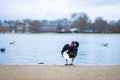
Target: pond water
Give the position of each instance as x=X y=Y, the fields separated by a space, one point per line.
x=46 y=47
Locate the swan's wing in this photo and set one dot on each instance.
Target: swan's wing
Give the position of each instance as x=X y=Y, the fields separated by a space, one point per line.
x=65 y=55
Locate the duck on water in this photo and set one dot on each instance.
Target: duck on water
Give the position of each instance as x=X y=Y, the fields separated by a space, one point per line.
x=2 y=50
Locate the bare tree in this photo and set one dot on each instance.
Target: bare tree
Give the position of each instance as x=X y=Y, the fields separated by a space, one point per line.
x=35 y=26
x=101 y=25
x=81 y=22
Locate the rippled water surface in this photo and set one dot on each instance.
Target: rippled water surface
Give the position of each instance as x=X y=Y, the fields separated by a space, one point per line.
x=46 y=48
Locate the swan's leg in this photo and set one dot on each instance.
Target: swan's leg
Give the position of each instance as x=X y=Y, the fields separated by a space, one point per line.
x=72 y=61
x=66 y=62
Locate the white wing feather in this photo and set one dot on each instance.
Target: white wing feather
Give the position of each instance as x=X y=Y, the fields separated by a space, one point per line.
x=65 y=55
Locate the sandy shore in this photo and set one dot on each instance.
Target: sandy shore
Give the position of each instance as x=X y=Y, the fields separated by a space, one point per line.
x=59 y=72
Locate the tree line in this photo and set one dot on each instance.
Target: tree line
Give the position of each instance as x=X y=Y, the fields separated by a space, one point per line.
x=79 y=21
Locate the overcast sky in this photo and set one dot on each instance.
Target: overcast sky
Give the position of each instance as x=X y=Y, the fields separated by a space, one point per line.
x=58 y=9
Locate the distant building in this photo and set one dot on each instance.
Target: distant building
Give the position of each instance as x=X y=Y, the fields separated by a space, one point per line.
x=19 y=28
x=64 y=30
x=48 y=28
x=5 y=28
x=74 y=30
x=88 y=30
x=27 y=28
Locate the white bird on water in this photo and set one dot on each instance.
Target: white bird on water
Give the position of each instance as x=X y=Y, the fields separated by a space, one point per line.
x=12 y=42
x=105 y=44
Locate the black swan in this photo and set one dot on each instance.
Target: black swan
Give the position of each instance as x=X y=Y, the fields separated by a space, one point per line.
x=70 y=51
